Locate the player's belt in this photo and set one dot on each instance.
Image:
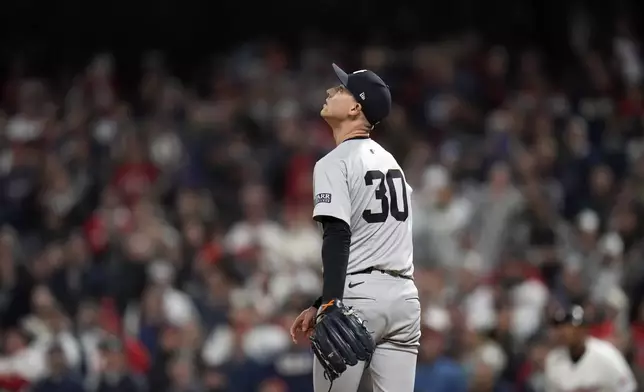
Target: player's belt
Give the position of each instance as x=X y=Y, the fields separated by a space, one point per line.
x=395 y=274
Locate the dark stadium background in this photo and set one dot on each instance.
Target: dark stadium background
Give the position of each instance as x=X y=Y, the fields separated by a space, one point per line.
x=54 y=42
x=50 y=34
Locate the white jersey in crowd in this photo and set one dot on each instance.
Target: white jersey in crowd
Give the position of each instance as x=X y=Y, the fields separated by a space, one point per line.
x=602 y=368
x=361 y=183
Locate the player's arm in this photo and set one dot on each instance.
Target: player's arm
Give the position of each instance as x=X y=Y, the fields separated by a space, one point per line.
x=332 y=208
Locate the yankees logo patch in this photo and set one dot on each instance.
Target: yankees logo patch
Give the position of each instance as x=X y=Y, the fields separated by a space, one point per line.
x=322 y=198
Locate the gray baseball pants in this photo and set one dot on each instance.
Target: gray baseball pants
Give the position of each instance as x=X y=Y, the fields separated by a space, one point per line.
x=391 y=308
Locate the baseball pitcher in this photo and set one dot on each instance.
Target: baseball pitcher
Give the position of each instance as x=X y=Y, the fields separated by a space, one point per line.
x=369 y=313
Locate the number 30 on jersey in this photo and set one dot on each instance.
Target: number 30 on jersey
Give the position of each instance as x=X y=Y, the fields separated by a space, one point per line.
x=386 y=186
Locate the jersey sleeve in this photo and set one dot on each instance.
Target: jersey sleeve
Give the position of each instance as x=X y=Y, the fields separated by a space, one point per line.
x=331 y=190
x=620 y=378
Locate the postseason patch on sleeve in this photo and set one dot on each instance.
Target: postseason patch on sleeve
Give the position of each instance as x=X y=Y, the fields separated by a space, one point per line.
x=322 y=198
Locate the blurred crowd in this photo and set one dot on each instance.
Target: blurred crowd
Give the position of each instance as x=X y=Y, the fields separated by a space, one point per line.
x=159 y=238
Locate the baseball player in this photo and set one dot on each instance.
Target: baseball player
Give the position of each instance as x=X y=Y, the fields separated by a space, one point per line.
x=585 y=363
x=362 y=202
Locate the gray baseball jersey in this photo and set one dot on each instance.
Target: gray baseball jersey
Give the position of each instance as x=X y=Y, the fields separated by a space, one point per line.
x=361 y=183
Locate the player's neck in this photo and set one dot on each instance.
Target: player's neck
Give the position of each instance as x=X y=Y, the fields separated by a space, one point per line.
x=577 y=351
x=346 y=131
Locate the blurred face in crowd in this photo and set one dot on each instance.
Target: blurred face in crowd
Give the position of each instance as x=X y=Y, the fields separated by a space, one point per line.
x=57 y=321
x=431 y=283
x=113 y=361
x=187 y=203
x=7 y=268
x=139 y=247
x=273 y=386
x=215 y=381
x=101 y=67
x=144 y=213
x=134 y=151
x=340 y=105
x=601 y=181
x=538 y=355
x=40 y=268
x=76 y=249
x=576 y=136
x=297 y=216
x=54 y=255
x=181 y=372
x=152 y=306
x=217 y=284
x=110 y=199
x=471 y=338
x=43 y=302
x=290 y=134
x=543 y=126
x=497 y=62
x=573 y=282
x=499 y=176
x=570 y=335
x=546 y=153
x=467 y=280
x=597 y=72
x=87 y=315
x=588 y=240
x=31 y=98
x=170 y=339
x=254 y=200
x=243 y=319
x=7 y=242
x=194 y=233
x=56 y=361
x=512 y=273
x=444 y=195
x=482 y=378
x=624 y=220
x=13 y=342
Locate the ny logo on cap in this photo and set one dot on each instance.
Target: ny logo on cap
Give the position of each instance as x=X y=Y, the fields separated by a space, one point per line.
x=363 y=96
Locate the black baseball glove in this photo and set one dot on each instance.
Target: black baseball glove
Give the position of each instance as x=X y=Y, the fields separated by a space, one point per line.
x=340 y=338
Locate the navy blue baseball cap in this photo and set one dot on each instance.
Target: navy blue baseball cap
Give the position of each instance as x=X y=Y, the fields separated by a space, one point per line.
x=369 y=90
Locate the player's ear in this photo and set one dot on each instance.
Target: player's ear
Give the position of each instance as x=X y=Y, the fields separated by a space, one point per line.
x=356 y=109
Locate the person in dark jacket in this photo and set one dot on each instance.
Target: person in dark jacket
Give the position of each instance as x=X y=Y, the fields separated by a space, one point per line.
x=115 y=376
x=60 y=378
